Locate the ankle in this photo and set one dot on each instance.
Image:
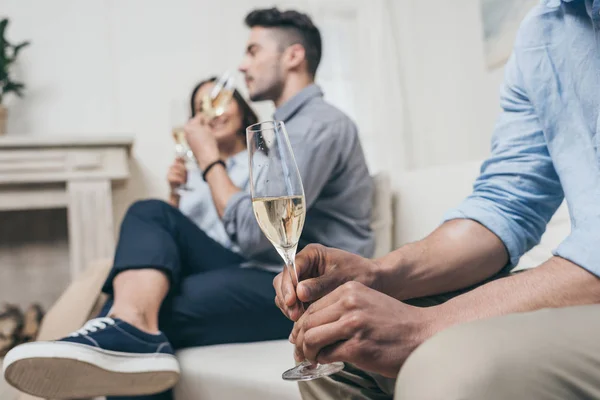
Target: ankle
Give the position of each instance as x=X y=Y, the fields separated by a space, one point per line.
x=137 y=318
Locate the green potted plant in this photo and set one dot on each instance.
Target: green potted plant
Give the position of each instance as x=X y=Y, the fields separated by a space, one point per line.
x=8 y=55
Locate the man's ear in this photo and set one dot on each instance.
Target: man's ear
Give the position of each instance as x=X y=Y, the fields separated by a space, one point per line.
x=294 y=56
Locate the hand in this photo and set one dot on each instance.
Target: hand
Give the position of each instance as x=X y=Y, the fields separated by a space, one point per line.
x=364 y=327
x=177 y=174
x=201 y=141
x=320 y=271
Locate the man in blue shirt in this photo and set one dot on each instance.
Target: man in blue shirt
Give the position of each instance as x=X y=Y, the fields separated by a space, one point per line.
x=500 y=343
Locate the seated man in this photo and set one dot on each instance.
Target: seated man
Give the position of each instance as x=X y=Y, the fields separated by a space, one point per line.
x=492 y=341
x=207 y=293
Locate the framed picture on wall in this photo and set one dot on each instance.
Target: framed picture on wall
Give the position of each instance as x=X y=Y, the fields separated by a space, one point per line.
x=501 y=20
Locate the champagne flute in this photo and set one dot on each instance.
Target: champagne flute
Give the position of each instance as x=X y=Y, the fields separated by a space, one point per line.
x=179 y=116
x=279 y=206
x=215 y=103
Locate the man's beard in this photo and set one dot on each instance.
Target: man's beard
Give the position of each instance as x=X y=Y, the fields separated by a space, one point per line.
x=273 y=90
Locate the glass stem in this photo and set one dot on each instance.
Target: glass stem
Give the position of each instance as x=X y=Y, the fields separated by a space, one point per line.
x=289 y=256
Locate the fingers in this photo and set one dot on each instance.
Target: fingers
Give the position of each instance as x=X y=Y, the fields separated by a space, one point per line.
x=279 y=297
x=285 y=297
x=309 y=260
x=287 y=287
x=340 y=351
x=313 y=289
x=304 y=330
x=319 y=273
x=200 y=119
x=322 y=336
x=319 y=312
x=335 y=317
x=177 y=174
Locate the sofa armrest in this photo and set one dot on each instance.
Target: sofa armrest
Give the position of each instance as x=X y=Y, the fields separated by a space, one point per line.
x=77 y=302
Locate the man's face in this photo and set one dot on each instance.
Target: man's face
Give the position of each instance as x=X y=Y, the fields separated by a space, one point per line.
x=261 y=65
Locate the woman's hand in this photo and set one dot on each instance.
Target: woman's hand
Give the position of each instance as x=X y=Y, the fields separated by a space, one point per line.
x=201 y=141
x=177 y=174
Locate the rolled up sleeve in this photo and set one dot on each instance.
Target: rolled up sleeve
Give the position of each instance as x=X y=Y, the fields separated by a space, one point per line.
x=581 y=246
x=518 y=189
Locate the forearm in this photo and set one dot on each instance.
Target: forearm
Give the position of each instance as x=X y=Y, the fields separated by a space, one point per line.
x=221 y=188
x=459 y=254
x=556 y=283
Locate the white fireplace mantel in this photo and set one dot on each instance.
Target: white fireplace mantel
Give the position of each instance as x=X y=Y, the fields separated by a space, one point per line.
x=39 y=172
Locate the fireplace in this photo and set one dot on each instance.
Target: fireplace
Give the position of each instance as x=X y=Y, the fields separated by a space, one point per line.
x=55 y=211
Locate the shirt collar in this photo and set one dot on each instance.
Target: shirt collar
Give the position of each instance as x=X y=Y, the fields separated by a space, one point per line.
x=554 y=3
x=287 y=110
x=590 y=5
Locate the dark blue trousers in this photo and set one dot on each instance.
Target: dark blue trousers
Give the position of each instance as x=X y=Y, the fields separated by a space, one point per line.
x=212 y=300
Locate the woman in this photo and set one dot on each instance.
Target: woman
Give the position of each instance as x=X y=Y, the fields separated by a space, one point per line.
x=178 y=279
x=229 y=130
x=191 y=323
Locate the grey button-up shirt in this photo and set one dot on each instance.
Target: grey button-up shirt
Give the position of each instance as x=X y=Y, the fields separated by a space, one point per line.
x=337 y=184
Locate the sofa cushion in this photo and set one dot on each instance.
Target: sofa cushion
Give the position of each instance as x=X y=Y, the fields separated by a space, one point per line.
x=249 y=371
x=382 y=218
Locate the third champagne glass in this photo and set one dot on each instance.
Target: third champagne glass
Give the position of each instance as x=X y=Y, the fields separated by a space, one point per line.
x=179 y=116
x=280 y=209
x=215 y=103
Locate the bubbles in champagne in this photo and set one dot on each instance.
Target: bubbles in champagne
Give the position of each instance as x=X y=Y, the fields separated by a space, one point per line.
x=281 y=219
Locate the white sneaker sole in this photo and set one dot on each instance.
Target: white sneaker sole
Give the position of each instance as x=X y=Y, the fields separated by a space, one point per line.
x=59 y=370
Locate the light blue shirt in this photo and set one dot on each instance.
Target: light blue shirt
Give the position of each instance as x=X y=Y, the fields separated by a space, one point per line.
x=545 y=146
x=198 y=204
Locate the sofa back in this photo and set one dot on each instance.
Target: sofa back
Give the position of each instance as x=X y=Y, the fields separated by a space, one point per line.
x=414 y=204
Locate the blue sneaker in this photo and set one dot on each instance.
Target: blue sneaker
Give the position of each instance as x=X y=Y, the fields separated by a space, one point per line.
x=107 y=357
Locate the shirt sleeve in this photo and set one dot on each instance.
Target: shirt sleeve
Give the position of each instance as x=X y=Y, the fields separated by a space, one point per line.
x=518 y=189
x=316 y=155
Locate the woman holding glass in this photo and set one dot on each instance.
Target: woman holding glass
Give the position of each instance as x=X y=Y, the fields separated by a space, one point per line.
x=209 y=296
x=178 y=278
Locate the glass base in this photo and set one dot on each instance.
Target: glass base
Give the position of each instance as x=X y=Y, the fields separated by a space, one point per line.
x=306 y=371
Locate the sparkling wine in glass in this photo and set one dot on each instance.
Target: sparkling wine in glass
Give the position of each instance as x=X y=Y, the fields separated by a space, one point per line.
x=280 y=209
x=215 y=103
x=179 y=116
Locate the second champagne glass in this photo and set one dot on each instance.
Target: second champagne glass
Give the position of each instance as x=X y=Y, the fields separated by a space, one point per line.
x=215 y=103
x=179 y=116
x=280 y=209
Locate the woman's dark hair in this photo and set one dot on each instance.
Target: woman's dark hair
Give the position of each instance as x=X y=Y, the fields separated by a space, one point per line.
x=248 y=115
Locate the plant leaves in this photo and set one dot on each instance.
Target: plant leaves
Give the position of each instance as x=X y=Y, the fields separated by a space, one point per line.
x=15 y=87
x=8 y=55
x=17 y=49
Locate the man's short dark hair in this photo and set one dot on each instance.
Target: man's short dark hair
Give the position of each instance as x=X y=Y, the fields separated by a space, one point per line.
x=297 y=28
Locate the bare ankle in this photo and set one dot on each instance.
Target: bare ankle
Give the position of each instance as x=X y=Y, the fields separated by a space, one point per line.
x=137 y=318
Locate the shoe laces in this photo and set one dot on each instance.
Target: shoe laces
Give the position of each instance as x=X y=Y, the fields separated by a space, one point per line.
x=94 y=325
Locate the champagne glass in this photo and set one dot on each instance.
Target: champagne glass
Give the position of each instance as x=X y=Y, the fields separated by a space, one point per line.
x=179 y=116
x=215 y=103
x=280 y=209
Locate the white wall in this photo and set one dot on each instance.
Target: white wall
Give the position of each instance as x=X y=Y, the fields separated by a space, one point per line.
x=452 y=98
x=114 y=66
x=106 y=67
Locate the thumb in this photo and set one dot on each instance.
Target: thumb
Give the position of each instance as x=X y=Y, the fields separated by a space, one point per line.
x=313 y=289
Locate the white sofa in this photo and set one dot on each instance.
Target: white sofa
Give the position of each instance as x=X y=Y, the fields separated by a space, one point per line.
x=421 y=197
x=419 y=200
